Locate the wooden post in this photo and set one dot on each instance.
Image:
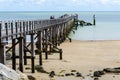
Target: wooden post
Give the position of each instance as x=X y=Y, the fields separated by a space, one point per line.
x=13 y=55
x=0 y=31
x=16 y=27
x=46 y=44
x=56 y=31
x=6 y=27
x=25 y=53
x=21 y=53
x=50 y=39
x=2 y=47
x=94 y=21
x=2 y=53
x=60 y=54
x=39 y=47
x=32 y=54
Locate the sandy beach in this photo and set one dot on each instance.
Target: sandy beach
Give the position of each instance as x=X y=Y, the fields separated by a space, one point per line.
x=84 y=57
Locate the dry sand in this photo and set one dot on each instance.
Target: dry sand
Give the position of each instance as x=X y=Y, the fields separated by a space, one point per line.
x=84 y=57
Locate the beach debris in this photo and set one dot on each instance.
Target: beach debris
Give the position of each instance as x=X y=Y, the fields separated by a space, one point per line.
x=52 y=74
x=67 y=74
x=96 y=78
x=89 y=74
x=30 y=77
x=62 y=71
x=78 y=74
x=41 y=69
x=72 y=74
x=98 y=73
x=27 y=68
x=73 y=71
x=112 y=70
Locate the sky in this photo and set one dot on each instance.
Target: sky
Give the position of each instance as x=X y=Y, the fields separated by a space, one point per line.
x=59 y=5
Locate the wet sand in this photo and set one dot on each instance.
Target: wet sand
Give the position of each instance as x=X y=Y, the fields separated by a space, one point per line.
x=84 y=57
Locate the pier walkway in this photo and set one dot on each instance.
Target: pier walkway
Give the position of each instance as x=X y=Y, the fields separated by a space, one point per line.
x=48 y=34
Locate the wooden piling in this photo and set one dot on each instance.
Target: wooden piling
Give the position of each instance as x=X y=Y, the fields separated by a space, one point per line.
x=14 y=54
x=21 y=58
x=25 y=51
x=39 y=46
x=94 y=21
x=46 y=44
x=32 y=53
x=2 y=53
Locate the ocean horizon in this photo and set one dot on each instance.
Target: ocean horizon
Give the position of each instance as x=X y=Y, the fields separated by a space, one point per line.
x=107 y=22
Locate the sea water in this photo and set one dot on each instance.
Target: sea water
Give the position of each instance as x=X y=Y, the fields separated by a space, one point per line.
x=107 y=23
x=107 y=26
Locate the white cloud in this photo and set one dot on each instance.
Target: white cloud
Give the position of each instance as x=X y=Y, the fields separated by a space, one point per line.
x=104 y=1
x=110 y=2
x=74 y=0
x=23 y=1
x=39 y=1
x=59 y=4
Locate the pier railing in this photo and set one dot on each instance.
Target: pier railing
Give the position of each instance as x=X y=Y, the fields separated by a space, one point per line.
x=17 y=28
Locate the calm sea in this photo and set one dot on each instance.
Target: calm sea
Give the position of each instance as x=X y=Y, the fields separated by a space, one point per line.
x=107 y=23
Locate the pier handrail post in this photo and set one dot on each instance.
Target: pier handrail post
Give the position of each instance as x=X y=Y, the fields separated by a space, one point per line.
x=2 y=47
x=0 y=31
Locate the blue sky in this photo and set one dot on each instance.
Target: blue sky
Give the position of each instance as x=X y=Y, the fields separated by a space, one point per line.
x=59 y=5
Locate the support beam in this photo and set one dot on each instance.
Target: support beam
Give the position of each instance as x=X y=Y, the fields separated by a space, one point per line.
x=2 y=53
x=21 y=56
x=32 y=53
x=13 y=55
x=46 y=44
x=40 y=47
x=25 y=53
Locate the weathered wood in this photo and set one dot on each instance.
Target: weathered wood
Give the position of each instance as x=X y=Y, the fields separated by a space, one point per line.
x=12 y=47
x=11 y=29
x=25 y=50
x=21 y=50
x=46 y=45
x=39 y=46
x=6 y=27
x=32 y=53
x=50 y=34
x=16 y=28
x=0 y=31
x=61 y=54
x=14 y=54
x=2 y=53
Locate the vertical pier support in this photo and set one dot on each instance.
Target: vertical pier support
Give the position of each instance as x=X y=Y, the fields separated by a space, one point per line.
x=14 y=55
x=39 y=47
x=21 y=58
x=25 y=53
x=46 y=44
x=60 y=54
x=32 y=53
x=2 y=52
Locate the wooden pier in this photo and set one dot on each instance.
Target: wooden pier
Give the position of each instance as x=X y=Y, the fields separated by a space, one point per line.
x=48 y=34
